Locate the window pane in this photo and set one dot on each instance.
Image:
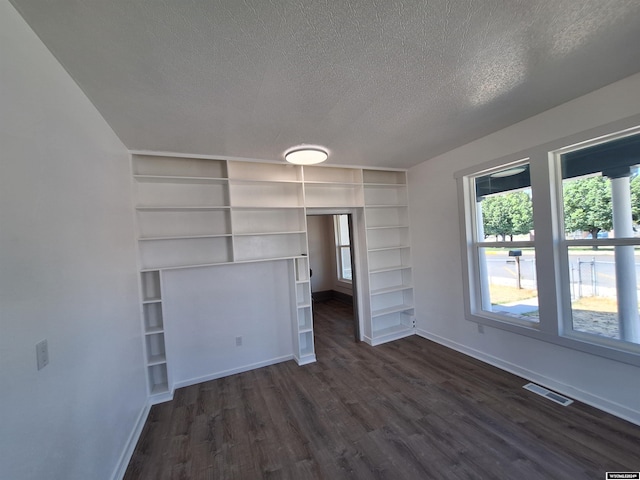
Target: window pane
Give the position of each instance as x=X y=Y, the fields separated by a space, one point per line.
x=345 y=258
x=601 y=190
x=508 y=282
x=503 y=205
x=343 y=230
x=604 y=299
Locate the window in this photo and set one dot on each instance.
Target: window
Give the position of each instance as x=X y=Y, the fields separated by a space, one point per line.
x=551 y=242
x=502 y=245
x=343 y=247
x=600 y=199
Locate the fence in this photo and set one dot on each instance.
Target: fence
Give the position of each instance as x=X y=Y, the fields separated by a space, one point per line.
x=588 y=276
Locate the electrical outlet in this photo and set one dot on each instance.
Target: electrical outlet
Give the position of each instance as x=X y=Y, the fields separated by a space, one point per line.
x=238 y=341
x=480 y=328
x=42 y=354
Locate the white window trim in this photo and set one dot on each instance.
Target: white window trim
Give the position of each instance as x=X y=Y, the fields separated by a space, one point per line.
x=338 y=248
x=550 y=245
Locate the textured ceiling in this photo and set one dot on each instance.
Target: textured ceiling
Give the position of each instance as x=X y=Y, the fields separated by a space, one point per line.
x=378 y=82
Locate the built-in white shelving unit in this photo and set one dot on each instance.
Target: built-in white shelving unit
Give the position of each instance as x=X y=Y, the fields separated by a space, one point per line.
x=153 y=328
x=303 y=329
x=389 y=255
x=183 y=211
x=196 y=212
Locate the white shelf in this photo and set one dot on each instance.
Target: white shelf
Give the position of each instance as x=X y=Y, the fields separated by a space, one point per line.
x=184 y=237
x=391 y=333
x=195 y=265
x=387 y=227
x=263 y=207
x=332 y=195
x=181 y=194
x=306 y=344
x=301 y=270
x=389 y=258
x=158 y=379
x=271 y=172
x=159 y=388
x=176 y=179
x=303 y=295
x=152 y=313
x=257 y=181
x=183 y=223
x=183 y=208
x=267 y=194
x=335 y=175
x=386 y=216
x=394 y=288
x=258 y=246
x=151 y=287
x=153 y=330
x=305 y=322
x=384 y=177
x=390 y=330
x=261 y=234
x=390 y=268
x=156 y=359
x=268 y=220
x=337 y=184
x=394 y=309
x=396 y=205
x=171 y=166
x=391 y=324
x=393 y=247
x=180 y=252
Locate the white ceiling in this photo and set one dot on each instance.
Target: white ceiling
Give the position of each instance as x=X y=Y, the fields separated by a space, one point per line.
x=378 y=82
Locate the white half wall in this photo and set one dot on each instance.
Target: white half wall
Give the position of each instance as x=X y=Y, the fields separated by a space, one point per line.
x=437 y=270
x=67 y=275
x=206 y=309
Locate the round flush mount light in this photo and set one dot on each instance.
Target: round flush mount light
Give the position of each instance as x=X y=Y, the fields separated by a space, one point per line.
x=306 y=155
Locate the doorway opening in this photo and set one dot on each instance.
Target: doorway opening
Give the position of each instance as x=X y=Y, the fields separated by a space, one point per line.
x=332 y=261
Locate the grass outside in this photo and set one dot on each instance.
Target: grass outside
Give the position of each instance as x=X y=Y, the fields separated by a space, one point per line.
x=503 y=294
x=596 y=315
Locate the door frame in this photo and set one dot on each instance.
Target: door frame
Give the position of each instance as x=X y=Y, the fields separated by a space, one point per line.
x=357 y=234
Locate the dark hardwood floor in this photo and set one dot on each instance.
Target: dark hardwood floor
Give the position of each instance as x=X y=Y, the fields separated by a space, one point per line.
x=410 y=409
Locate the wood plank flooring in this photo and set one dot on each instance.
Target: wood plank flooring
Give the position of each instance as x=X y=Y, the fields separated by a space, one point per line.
x=410 y=409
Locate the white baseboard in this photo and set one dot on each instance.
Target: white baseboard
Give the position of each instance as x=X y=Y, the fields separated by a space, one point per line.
x=585 y=397
x=232 y=371
x=130 y=446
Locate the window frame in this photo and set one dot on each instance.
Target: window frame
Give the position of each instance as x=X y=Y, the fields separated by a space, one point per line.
x=476 y=244
x=555 y=321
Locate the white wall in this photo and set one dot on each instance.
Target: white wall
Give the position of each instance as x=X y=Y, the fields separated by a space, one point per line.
x=67 y=273
x=322 y=255
x=205 y=309
x=437 y=269
x=320 y=238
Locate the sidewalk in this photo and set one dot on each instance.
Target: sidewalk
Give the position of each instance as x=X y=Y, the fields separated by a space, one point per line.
x=521 y=307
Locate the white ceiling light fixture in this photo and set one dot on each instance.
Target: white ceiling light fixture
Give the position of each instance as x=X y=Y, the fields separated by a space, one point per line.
x=306 y=155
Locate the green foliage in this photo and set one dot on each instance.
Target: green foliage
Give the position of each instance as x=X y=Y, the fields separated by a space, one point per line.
x=587 y=205
x=635 y=198
x=507 y=214
x=587 y=208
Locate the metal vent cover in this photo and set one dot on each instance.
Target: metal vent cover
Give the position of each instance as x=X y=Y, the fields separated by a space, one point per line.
x=543 y=392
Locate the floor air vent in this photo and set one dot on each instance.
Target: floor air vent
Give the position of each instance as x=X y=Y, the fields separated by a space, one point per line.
x=554 y=397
